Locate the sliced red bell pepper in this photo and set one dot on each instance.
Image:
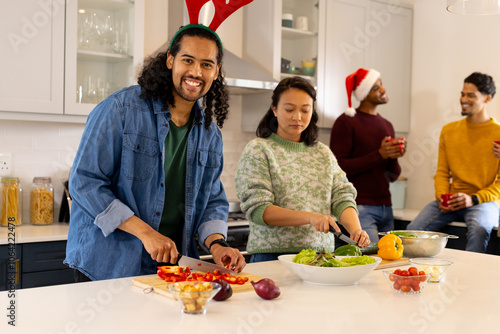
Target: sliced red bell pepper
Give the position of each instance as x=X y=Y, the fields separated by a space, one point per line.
x=178 y=274
x=168 y=273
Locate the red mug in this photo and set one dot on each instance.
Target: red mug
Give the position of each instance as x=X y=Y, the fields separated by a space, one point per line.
x=446 y=198
x=497 y=142
x=400 y=144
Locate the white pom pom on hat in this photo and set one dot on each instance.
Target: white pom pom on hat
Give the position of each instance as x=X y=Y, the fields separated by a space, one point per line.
x=359 y=83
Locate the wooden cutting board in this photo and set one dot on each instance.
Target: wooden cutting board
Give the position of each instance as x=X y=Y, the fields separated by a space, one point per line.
x=393 y=263
x=159 y=286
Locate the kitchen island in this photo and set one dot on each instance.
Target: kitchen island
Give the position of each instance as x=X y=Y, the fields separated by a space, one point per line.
x=468 y=301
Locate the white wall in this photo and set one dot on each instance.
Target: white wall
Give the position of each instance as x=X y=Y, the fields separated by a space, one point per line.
x=446 y=49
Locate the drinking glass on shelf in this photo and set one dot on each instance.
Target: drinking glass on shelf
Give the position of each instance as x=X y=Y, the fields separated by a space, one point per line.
x=100 y=90
x=110 y=88
x=121 y=42
x=79 y=93
x=89 y=90
x=84 y=29
x=117 y=48
x=108 y=28
x=125 y=45
x=96 y=32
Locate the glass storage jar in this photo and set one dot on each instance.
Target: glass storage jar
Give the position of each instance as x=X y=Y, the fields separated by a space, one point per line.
x=42 y=201
x=12 y=201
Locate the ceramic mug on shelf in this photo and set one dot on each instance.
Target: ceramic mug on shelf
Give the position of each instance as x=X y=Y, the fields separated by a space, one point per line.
x=302 y=23
x=287 y=20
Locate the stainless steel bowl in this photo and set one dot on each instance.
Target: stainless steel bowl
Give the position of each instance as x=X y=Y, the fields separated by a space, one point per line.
x=427 y=243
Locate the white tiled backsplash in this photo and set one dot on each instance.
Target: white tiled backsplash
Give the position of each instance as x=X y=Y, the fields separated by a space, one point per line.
x=48 y=149
x=40 y=149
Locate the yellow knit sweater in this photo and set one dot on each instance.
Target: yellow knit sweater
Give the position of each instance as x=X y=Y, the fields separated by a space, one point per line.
x=467 y=162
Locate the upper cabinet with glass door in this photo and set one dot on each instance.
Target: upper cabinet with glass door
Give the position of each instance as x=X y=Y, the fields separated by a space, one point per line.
x=104 y=46
x=278 y=37
x=282 y=35
x=299 y=38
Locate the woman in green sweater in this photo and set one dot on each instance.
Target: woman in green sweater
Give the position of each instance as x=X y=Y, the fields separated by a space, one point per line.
x=289 y=184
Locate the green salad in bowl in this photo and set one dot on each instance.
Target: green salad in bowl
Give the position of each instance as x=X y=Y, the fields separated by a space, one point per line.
x=327 y=259
x=327 y=269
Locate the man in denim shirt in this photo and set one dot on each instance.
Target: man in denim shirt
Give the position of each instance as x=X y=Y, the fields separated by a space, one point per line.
x=146 y=178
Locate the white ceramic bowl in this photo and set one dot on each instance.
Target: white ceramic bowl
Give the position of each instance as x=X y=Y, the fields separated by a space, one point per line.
x=328 y=275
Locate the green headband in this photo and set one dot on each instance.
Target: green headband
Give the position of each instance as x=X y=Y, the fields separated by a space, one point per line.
x=189 y=26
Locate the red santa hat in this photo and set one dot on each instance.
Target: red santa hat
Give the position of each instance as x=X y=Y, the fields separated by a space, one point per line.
x=359 y=83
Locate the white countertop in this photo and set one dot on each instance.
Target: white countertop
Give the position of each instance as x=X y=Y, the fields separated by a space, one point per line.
x=466 y=302
x=405 y=214
x=26 y=233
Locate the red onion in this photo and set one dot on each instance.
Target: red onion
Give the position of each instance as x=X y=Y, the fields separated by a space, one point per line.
x=266 y=288
x=225 y=292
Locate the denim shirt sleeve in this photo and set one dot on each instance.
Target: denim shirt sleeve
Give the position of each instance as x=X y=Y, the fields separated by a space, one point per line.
x=113 y=216
x=96 y=160
x=211 y=227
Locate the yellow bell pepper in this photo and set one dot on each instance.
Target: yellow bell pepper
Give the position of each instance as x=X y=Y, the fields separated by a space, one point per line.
x=390 y=247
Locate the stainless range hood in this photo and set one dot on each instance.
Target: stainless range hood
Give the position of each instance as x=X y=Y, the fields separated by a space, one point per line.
x=244 y=78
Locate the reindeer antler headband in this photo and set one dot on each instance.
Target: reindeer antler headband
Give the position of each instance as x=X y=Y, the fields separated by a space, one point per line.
x=223 y=9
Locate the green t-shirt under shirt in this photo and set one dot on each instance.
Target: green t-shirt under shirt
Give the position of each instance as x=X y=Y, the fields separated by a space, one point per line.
x=172 y=218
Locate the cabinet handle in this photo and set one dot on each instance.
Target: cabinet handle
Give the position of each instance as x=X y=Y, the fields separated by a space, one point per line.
x=17 y=262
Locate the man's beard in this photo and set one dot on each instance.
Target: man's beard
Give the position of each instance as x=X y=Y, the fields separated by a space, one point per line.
x=183 y=93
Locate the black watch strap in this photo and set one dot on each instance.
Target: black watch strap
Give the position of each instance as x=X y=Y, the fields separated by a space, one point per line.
x=220 y=241
x=475 y=200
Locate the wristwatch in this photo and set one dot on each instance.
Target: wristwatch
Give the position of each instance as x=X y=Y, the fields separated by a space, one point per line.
x=475 y=200
x=220 y=241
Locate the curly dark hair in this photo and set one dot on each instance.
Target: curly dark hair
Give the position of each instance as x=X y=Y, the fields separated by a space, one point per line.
x=156 y=81
x=269 y=123
x=483 y=82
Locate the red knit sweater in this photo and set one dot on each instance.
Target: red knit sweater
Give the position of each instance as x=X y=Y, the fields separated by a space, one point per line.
x=355 y=142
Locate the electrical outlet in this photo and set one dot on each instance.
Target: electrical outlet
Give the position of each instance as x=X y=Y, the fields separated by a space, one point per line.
x=5 y=164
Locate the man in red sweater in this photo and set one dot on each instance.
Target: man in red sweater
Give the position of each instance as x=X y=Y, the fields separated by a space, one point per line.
x=363 y=143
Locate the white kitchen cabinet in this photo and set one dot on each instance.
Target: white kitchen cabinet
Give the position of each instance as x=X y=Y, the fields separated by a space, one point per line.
x=368 y=34
x=32 y=56
x=46 y=62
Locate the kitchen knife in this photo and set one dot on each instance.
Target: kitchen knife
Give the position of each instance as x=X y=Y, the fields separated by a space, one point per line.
x=342 y=236
x=199 y=265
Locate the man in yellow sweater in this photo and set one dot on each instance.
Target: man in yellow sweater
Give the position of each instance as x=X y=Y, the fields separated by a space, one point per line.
x=468 y=169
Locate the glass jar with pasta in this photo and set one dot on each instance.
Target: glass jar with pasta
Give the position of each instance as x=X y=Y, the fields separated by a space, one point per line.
x=42 y=201
x=12 y=201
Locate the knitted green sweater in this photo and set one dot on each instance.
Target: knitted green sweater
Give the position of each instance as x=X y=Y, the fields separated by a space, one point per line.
x=275 y=171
